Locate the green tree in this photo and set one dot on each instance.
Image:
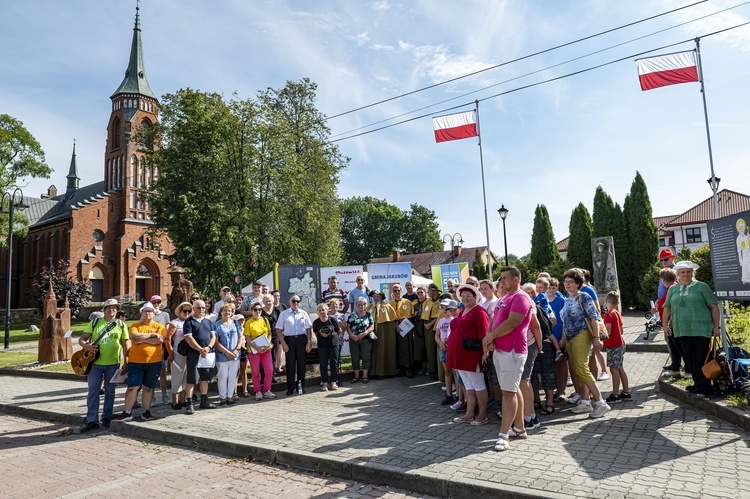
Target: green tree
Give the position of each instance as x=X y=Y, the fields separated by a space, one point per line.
x=20 y=156
x=579 y=244
x=370 y=228
x=543 y=247
x=479 y=268
x=702 y=256
x=643 y=240
x=76 y=291
x=608 y=220
x=419 y=231
x=244 y=183
x=683 y=254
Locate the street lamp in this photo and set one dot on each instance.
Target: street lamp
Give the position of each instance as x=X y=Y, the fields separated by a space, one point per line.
x=15 y=200
x=451 y=239
x=503 y=211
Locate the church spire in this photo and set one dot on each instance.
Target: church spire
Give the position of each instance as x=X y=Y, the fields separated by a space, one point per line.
x=73 y=178
x=135 y=76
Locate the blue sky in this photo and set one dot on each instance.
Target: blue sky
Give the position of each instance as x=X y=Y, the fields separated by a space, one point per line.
x=550 y=144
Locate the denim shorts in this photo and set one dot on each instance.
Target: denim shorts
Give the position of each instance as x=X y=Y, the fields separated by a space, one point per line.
x=443 y=356
x=143 y=374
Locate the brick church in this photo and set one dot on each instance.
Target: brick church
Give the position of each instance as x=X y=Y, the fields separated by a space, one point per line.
x=101 y=228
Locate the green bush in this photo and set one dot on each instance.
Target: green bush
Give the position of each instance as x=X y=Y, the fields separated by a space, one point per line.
x=738 y=324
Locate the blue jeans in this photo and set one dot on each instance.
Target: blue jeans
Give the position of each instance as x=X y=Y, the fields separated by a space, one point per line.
x=92 y=399
x=329 y=356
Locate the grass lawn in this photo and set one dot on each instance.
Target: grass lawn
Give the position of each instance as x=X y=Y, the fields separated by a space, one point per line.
x=19 y=333
x=737 y=400
x=9 y=358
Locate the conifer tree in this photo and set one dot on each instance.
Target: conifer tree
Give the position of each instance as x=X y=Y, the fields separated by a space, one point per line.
x=543 y=246
x=579 y=244
x=642 y=236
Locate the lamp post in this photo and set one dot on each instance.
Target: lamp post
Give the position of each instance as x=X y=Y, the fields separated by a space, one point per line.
x=503 y=211
x=452 y=239
x=15 y=199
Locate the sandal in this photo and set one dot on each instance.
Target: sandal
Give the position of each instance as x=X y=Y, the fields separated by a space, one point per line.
x=537 y=405
x=463 y=420
x=478 y=422
x=246 y=394
x=549 y=409
x=354 y=380
x=502 y=444
x=365 y=380
x=559 y=399
x=516 y=433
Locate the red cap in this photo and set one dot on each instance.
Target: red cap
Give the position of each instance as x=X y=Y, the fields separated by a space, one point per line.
x=666 y=253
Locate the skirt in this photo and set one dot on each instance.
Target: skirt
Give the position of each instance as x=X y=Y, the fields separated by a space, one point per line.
x=544 y=375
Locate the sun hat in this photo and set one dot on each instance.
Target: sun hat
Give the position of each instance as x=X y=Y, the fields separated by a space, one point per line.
x=148 y=305
x=666 y=253
x=468 y=287
x=155 y=298
x=111 y=302
x=685 y=264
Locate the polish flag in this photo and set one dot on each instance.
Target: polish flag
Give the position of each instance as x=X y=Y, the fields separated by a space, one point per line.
x=455 y=126
x=667 y=69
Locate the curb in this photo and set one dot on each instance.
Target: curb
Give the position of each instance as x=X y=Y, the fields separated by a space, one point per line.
x=728 y=414
x=646 y=347
x=420 y=482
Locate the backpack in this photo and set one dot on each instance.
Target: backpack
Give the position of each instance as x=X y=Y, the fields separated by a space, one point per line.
x=545 y=324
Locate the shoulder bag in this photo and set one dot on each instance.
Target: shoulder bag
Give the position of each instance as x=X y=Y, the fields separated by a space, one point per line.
x=603 y=334
x=470 y=344
x=711 y=368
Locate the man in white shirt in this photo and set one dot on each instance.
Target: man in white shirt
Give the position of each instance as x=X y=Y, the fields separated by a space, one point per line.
x=294 y=329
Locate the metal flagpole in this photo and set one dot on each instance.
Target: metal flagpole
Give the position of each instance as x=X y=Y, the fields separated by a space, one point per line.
x=713 y=180
x=484 y=195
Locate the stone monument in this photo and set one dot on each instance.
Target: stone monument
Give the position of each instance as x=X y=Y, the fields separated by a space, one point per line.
x=53 y=346
x=181 y=290
x=604 y=271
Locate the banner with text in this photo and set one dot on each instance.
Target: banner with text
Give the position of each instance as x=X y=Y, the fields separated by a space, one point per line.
x=459 y=272
x=345 y=275
x=729 y=242
x=383 y=276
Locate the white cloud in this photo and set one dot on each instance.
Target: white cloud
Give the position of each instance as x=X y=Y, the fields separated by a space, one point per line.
x=380 y=6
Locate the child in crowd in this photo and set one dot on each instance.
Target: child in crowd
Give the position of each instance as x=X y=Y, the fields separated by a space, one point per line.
x=615 y=346
x=442 y=332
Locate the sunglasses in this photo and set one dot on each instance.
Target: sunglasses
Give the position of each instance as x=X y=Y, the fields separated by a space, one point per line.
x=185 y=311
x=296 y=301
x=664 y=259
x=256 y=310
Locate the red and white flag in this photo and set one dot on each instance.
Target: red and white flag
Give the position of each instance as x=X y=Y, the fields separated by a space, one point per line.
x=667 y=69
x=455 y=126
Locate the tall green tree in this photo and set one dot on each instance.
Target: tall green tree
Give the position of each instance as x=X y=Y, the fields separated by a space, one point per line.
x=244 y=183
x=543 y=246
x=370 y=228
x=643 y=239
x=419 y=232
x=608 y=220
x=21 y=156
x=579 y=244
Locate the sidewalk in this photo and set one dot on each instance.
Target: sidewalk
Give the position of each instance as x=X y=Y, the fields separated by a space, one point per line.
x=394 y=431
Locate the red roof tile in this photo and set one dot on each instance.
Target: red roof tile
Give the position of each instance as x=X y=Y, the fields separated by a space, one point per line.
x=730 y=203
x=422 y=262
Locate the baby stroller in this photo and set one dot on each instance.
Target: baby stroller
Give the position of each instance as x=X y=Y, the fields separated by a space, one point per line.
x=653 y=324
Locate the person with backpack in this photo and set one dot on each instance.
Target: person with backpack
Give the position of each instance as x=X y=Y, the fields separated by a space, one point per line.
x=112 y=344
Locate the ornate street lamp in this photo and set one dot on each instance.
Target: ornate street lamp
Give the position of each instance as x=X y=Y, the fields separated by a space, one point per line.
x=452 y=239
x=503 y=211
x=15 y=200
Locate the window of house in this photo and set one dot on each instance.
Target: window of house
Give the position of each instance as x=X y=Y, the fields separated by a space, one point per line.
x=693 y=235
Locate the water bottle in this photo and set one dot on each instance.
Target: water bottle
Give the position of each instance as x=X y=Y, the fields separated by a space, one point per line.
x=299 y=387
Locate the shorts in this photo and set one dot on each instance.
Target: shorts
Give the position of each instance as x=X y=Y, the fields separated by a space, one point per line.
x=143 y=374
x=528 y=367
x=490 y=373
x=443 y=356
x=243 y=354
x=509 y=367
x=473 y=380
x=458 y=378
x=615 y=356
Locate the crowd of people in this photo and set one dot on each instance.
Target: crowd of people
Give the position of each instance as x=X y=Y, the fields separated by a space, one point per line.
x=497 y=346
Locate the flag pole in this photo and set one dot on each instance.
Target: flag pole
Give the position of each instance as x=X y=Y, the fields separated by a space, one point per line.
x=713 y=180
x=484 y=194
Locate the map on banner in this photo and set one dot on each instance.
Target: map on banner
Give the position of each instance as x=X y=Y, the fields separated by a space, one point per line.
x=302 y=280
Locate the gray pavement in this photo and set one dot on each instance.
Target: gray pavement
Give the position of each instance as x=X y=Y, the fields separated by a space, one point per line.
x=394 y=431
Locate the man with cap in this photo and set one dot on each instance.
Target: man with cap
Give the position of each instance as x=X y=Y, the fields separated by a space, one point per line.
x=223 y=294
x=666 y=258
x=254 y=297
x=110 y=346
x=144 y=362
x=162 y=318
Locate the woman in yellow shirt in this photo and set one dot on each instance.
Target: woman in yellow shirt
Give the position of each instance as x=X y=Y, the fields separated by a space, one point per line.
x=259 y=351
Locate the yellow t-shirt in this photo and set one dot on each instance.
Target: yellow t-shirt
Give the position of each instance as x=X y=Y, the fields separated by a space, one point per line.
x=146 y=353
x=257 y=327
x=404 y=308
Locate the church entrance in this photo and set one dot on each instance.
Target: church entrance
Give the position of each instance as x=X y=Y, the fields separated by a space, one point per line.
x=143 y=282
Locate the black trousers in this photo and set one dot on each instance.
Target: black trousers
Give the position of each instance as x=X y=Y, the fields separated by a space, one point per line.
x=694 y=350
x=295 y=360
x=674 y=354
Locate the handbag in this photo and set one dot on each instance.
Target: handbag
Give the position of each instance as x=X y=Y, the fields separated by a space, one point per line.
x=603 y=333
x=711 y=368
x=469 y=344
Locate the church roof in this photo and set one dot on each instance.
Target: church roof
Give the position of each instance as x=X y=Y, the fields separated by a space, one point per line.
x=58 y=208
x=135 y=76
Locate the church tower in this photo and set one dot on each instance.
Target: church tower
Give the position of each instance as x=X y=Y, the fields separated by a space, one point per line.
x=134 y=105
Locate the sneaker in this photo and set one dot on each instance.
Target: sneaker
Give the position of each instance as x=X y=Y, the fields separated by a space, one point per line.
x=532 y=424
x=106 y=422
x=600 y=410
x=427 y=373
x=613 y=399
x=447 y=400
x=422 y=372
x=324 y=388
x=493 y=404
x=625 y=396
x=124 y=417
x=687 y=376
x=442 y=387
x=459 y=406
x=575 y=399
x=190 y=410
x=269 y=395
x=559 y=356
x=581 y=408
x=165 y=398
x=602 y=376
x=258 y=395
x=334 y=387
x=570 y=381
x=147 y=416
x=222 y=403
x=231 y=402
x=89 y=426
